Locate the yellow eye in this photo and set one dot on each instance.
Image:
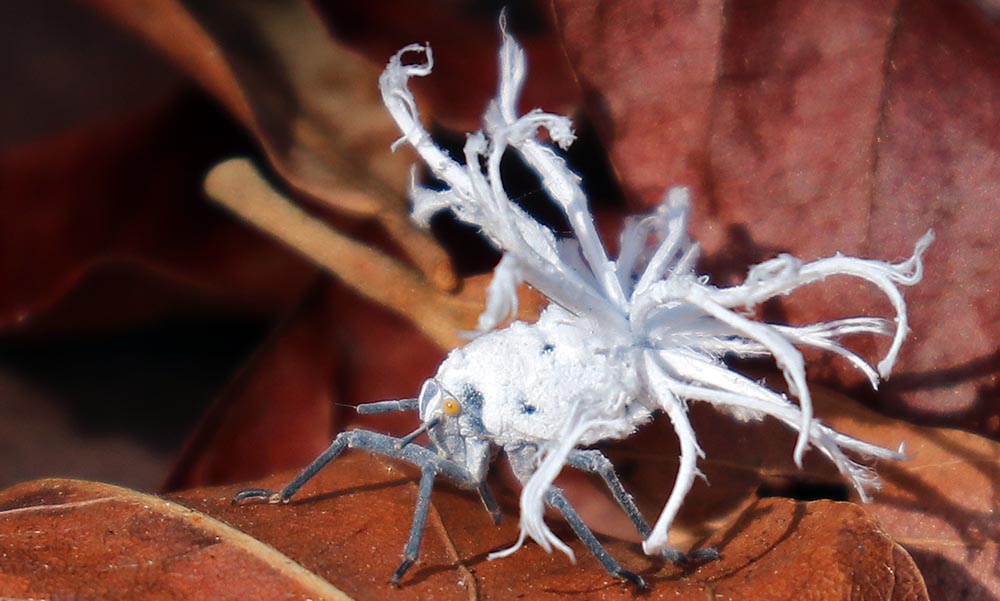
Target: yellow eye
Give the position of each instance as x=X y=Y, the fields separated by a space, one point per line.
x=451 y=407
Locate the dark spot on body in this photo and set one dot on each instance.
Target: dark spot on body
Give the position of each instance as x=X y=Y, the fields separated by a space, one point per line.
x=547 y=348
x=471 y=397
x=472 y=407
x=526 y=407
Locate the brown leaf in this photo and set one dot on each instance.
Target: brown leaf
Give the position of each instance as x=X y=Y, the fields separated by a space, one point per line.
x=940 y=505
x=348 y=526
x=312 y=104
x=814 y=128
x=278 y=411
x=73 y=213
x=50 y=86
x=333 y=352
x=465 y=38
x=65 y=539
x=240 y=187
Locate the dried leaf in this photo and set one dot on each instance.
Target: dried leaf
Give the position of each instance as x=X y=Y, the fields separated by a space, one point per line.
x=51 y=87
x=278 y=410
x=72 y=214
x=348 y=526
x=814 y=128
x=72 y=539
x=737 y=104
x=312 y=104
x=465 y=38
x=334 y=351
x=940 y=505
x=238 y=186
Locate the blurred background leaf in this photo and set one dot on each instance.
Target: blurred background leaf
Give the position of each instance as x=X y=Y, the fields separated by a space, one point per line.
x=155 y=339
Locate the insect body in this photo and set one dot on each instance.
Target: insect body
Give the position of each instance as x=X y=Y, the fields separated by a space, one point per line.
x=621 y=341
x=527 y=378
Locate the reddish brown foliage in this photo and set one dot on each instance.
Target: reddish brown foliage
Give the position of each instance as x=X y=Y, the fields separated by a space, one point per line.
x=814 y=128
x=803 y=127
x=345 y=531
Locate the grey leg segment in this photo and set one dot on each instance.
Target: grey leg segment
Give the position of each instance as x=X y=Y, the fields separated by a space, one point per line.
x=286 y=493
x=367 y=441
x=593 y=461
x=430 y=465
x=597 y=463
x=412 y=548
x=557 y=500
x=489 y=502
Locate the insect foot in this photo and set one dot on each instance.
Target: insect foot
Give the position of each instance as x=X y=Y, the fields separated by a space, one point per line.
x=403 y=567
x=633 y=578
x=253 y=494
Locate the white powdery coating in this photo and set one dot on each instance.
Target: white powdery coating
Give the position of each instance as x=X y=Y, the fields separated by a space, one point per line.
x=654 y=324
x=584 y=368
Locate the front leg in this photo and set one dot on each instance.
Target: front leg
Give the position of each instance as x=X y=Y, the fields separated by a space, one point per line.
x=341 y=442
x=412 y=548
x=430 y=465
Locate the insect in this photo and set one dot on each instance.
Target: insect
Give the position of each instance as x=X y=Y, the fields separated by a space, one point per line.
x=620 y=342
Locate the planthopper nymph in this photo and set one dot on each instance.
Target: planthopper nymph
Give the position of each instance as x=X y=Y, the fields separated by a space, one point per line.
x=621 y=342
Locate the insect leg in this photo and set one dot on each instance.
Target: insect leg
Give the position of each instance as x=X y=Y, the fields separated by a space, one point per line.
x=594 y=461
x=387 y=406
x=522 y=461
x=412 y=549
x=556 y=499
x=489 y=502
x=430 y=465
x=342 y=441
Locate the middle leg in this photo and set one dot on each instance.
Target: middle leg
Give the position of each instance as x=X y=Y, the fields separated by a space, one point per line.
x=556 y=499
x=594 y=461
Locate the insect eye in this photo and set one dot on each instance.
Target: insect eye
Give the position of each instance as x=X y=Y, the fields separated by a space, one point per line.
x=451 y=407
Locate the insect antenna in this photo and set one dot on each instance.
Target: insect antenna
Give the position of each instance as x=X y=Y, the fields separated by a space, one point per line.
x=386 y=406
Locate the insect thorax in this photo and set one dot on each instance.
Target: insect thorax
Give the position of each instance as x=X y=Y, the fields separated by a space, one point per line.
x=531 y=377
